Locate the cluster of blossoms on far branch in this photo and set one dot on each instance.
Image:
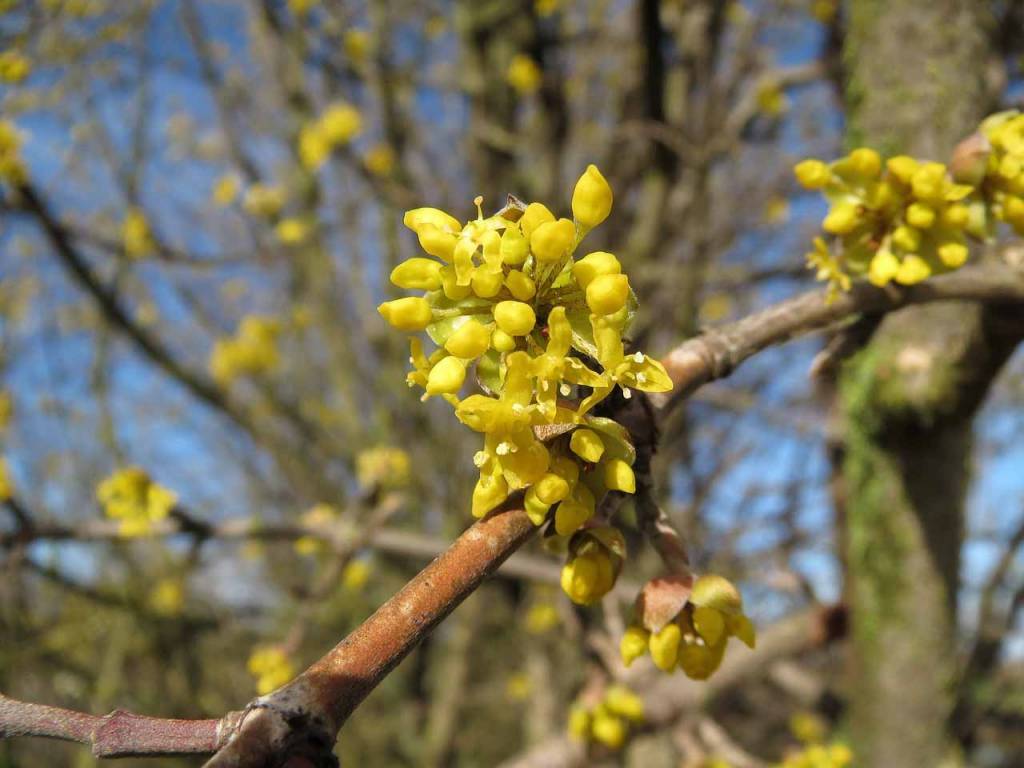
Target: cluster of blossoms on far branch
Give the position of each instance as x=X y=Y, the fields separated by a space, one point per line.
x=252 y=350
x=131 y=496
x=685 y=628
x=271 y=667
x=904 y=219
x=606 y=720
x=543 y=330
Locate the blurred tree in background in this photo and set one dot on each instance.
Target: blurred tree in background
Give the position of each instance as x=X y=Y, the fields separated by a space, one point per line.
x=208 y=206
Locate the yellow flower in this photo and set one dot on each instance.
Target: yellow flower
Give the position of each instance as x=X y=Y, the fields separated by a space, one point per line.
x=409 y=314
x=355 y=575
x=380 y=160
x=314 y=146
x=6 y=481
x=271 y=667
x=167 y=597
x=523 y=74
x=292 y=231
x=341 y=123
x=135 y=234
x=225 y=190
x=14 y=67
x=129 y=495
x=356 y=43
x=591 y=199
x=383 y=466
x=552 y=240
x=263 y=200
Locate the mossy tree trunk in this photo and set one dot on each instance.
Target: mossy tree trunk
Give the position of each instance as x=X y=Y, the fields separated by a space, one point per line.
x=915 y=72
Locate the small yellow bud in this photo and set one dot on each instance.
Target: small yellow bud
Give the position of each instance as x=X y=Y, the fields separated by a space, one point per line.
x=608 y=730
x=579 y=723
x=953 y=255
x=594 y=265
x=699 y=662
x=633 y=644
x=920 y=215
x=551 y=240
x=417 y=274
x=607 y=294
x=502 y=341
x=446 y=377
x=618 y=476
x=907 y=238
x=534 y=215
x=865 y=162
x=450 y=284
x=902 y=167
x=842 y=219
x=812 y=174
x=566 y=468
x=520 y=285
x=486 y=284
x=536 y=509
x=570 y=515
x=587 y=444
x=551 y=489
x=955 y=216
x=489 y=492
x=912 y=270
x=514 y=317
x=664 y=647
x=470 y=340
x=709 y=623
x=622 y=701
x=588 y=578
x=340 y=123
x=591 y=198
x=884 y=266
x=514 y=246
x=436 y=241
x=927 y=181
x=417 y=217
x=409 y=314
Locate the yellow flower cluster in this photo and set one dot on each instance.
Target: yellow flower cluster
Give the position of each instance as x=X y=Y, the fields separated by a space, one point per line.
x=507 y=295
x=320 y=516
x=900 y=220
x=271 y=667
x=523 y=74
x=596 y=556
x=1003 y=166
x=131 y=496
x=6 y=482
x=382 y=467
x=14 y=67
x=695 y=640
x=136 y=236
x=811 y=731
x=337 y=126
x=608 y=721
x=11 y=167
x=252 y=350
x=167 y=597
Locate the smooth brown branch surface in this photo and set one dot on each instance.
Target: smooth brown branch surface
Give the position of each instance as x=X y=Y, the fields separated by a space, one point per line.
x=118 y=734
x=715 y=353
x=302 y=718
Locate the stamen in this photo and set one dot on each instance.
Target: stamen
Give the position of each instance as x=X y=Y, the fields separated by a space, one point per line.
x=478 y=201
x=627 y=392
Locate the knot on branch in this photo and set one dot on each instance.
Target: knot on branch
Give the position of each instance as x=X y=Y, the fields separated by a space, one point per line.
x=280 y=730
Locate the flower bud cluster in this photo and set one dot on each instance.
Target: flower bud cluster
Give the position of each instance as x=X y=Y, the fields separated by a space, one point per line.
x=607 y=721
x=252 y=350
x=271 y=667
x=902 y=219
x=695 y=639
x=507 y=298
x=131 y=496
